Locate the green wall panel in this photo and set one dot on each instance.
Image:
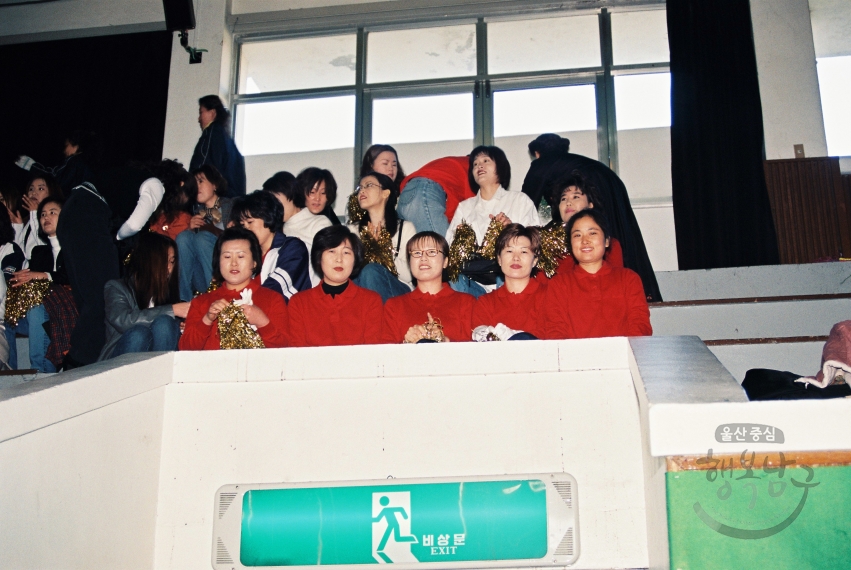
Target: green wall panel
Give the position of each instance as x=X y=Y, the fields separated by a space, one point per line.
x=765 y=521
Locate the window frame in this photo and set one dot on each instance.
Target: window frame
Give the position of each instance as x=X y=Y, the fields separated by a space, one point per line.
x=482 y=84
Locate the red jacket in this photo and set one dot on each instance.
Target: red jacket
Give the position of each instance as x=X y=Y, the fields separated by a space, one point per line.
x=177 y=225
x=454 y=309
x=522 y=311
x=352 y=317
x=610 y=302
x=451 y=172
x=198 y=336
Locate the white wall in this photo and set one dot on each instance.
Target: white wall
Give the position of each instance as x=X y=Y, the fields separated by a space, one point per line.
x=831 y=21
x=78 y=18
x=788 y=83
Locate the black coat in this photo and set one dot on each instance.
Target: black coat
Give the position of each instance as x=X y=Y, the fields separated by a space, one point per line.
x=41 y=260
x=545 y=171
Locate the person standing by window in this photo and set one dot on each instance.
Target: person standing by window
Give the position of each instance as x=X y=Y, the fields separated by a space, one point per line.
x=216 y=147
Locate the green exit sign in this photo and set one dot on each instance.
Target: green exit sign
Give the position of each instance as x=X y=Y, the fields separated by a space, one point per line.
x=459 y=523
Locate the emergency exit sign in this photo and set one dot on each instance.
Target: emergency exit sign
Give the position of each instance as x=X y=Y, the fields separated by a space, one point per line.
x=476 y=522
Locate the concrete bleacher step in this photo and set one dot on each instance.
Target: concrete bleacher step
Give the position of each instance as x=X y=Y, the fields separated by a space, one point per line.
x=801 y=355
x=736 y=319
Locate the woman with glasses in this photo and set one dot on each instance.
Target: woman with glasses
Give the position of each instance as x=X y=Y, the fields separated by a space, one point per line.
x=382 y=232
x=519 y=304
x=433 y=311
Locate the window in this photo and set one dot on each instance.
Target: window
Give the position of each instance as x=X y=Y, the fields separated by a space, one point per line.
x=834 y=77
x=598 y=78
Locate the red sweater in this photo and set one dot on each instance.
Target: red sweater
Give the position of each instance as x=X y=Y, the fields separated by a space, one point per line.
x=177 y=225
x=610 y=302
x=198 y=336
x=451 y=173
x=352 y=317
x=614 y=255
x=454 y=309
x=522 y=311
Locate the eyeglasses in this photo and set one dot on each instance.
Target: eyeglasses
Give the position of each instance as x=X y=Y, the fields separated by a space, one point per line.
x=368 y=186
x=418 y=253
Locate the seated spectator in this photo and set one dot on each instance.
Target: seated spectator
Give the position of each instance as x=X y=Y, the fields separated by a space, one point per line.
x=573 y=194
x=40 y=186
x=433 y=311
x=430 y=196
x=236 y=263
x=47 y=264
x=489 y=175
x=285 y=259
x=195 y=245
x=12 y=257
x=519 y=304
x=320 y=192
x=337 y=312
x=174 y=213
x=382 y=232
x=282 y=185
x=161 y=199
x=141 y=307
x=595 y=299
x=299 y=221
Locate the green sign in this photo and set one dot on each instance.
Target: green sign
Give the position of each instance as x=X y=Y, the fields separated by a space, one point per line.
x=436 y=522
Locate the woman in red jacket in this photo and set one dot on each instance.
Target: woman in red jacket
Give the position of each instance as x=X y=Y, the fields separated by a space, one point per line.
x=236 y=260
x=573 y=194
x=594 y=298
x=519 y=304
x=336 y=312
x=433 y=312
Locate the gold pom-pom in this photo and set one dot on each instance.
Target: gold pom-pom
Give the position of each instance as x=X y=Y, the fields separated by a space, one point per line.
x=462 y=250
x=21 y=299
x=234 y=330
x=553 y=248
x=434 y=331
x=378 y=249
x=355 y=212
x=488 y=247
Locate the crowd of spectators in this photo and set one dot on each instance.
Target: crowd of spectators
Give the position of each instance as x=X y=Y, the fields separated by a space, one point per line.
x=449 y=253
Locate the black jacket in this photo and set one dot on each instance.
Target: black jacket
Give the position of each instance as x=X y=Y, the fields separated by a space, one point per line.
x=41 y=259
x=216 y=147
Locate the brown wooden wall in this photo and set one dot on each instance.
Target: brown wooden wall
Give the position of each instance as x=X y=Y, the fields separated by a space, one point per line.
x=811 y=208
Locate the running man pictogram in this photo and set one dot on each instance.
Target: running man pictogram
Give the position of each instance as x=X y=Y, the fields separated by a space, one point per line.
x=389 y=514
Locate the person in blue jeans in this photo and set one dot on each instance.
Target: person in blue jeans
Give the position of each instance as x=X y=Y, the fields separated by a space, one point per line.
x=46 y=263
x=143 y=307
x=195 y=245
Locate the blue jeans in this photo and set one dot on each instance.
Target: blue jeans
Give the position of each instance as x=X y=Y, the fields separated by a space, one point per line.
x=466 y=285
x=423 y=203
x=161 y=335
x=31 y=326
x=195 y=252
x=377 y=278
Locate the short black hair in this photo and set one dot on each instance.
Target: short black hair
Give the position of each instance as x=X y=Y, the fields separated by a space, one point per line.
x=234 y=234
x=503 y=168
x=260 y=205
x=440 y=244
x=549 y=144
x=597 y=215
x=284 y=183
x=310 y=176
x=331 y=237
x=214 y=177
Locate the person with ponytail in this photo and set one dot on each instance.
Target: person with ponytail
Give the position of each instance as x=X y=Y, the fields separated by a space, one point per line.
x=216 y=146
